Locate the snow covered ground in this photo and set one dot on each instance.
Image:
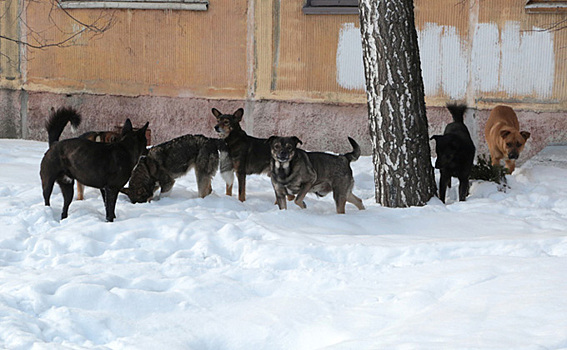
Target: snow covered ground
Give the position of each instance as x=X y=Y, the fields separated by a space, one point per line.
x=214 y=273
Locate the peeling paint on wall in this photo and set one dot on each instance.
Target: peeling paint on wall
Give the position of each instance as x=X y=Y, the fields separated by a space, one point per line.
x=508 y=60
x=527 y=60
x=350 y=68
x=443 y=61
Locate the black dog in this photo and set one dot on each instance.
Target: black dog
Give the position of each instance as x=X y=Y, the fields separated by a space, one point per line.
x=455 y=153
x=106 y=166
x=250 y=155
x=297 y=172
x=172 y=159
x=96 y=136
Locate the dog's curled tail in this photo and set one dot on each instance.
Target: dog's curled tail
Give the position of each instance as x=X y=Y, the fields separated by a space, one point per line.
x=58 y=120
x=352 y=156
x=457 y=111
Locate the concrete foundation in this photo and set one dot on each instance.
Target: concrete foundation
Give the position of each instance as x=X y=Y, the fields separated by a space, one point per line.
x=11 y=114
x=320 y=126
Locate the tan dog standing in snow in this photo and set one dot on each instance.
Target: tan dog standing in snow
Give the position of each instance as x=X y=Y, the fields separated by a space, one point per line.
x=504 y=138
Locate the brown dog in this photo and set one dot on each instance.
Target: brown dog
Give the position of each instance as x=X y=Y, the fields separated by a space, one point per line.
x=504 y=138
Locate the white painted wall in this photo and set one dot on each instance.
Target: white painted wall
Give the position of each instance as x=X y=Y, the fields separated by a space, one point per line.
x=350 y=69
x=519 y=63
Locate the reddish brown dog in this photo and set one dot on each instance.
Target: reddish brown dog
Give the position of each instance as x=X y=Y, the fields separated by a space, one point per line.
x=504 y=138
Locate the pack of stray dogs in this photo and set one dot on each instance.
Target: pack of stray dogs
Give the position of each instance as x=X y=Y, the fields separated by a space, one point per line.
x=108 y=160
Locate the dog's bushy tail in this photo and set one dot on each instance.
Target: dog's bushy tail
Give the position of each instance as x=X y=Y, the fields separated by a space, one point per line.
x=457 y=111
x=352 y=156
x=58 y=120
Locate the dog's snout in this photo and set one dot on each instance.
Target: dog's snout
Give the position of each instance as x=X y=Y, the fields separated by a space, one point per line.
x=513 y=155
x=217 y=128
x=283 y=155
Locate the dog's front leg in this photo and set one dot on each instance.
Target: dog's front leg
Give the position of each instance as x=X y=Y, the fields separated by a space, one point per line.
x=228 y=177
x=80 y=191
x=444 y=181
x=463 y=188
x=166 y=183
x=511 y=165
x=241 y=186
x=280 y=199
x=340 y=202
x=305 y=187
x=495 y=157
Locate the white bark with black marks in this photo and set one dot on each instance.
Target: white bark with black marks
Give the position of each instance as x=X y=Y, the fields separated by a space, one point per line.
x=398 y=124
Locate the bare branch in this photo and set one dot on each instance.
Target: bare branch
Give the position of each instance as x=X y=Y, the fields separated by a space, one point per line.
x=36 y=39
x=554 y=27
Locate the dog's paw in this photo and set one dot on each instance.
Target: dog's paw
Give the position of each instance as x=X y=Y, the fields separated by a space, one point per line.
x=503 y=184
x=502 y=187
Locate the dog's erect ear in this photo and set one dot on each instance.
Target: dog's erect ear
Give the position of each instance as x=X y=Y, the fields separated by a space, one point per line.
x=296 y=140
x=525 y=134
x=127 y=127
x=216 y=112
x=238 y=114
x=125 y=190
x=504 y=133
x=144 y=128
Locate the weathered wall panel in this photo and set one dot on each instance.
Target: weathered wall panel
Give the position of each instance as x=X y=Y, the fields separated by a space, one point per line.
x=148 y=52
x=289 y=69
x=478 y=51
x=469 y=51
x=10 y=54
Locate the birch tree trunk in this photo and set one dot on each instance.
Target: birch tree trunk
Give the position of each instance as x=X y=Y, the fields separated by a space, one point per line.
x=403 y=174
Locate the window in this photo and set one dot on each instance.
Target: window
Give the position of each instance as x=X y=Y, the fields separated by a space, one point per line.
x=331 y=7
x=546 y=6
x=195 y=5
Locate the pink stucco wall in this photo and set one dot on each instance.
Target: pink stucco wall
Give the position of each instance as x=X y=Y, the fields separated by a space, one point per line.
x=320 y=126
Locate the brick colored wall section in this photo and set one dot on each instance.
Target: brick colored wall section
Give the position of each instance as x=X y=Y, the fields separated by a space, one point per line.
x=321 y=127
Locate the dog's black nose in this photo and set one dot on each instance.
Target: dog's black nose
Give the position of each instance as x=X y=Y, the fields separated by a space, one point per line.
x=216 y=128
x=513 y=155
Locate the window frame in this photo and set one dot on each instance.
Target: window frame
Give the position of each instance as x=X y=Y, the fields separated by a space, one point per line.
x=193 y=5
x=331 y=7
x=546 y=6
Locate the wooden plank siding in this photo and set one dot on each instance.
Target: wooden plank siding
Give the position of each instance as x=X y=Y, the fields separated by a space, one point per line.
x=285 y=67
x=269 y=49
x=148 y=52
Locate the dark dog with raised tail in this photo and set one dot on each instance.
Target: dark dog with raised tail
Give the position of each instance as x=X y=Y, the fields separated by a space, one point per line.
x=106 y=166
x=455 y=153
x=297 y=172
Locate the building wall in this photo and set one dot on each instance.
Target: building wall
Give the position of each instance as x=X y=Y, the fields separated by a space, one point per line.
x=294 y=73
x=146 y=52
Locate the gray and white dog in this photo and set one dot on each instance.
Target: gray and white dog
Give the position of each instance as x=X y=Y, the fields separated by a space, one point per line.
x=172 y=159
x=295 y=172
